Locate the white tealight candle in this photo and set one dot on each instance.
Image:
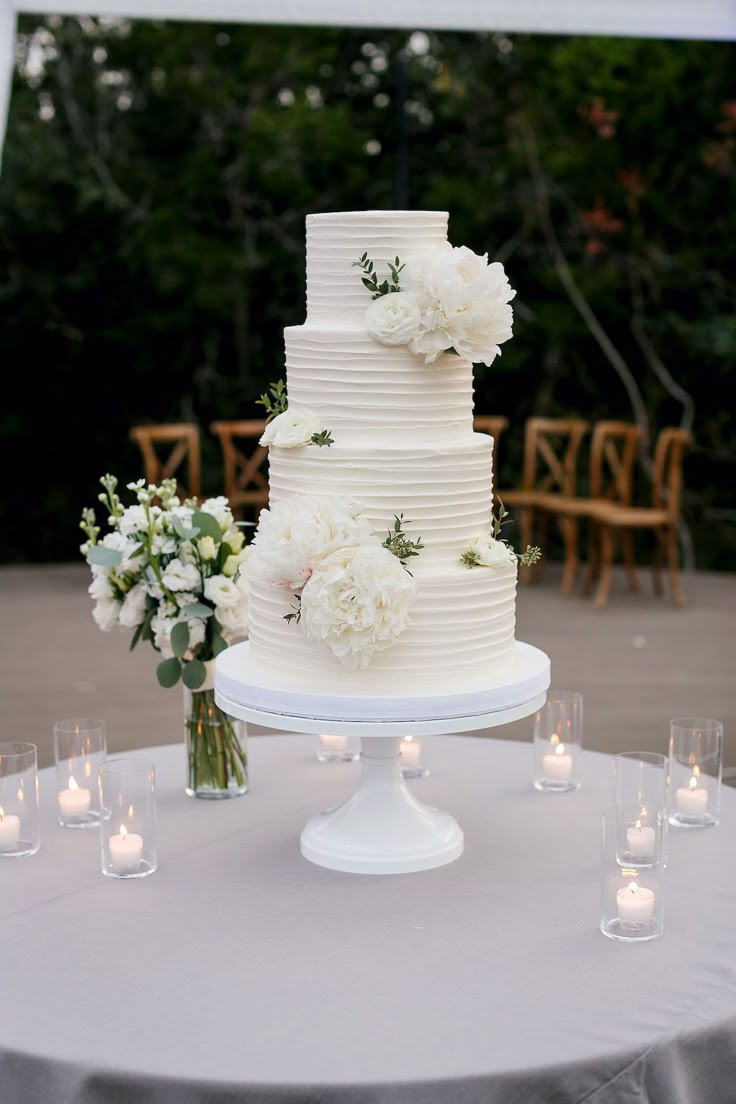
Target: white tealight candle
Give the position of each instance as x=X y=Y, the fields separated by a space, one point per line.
x=635 y=904
x=9 y=831
x=640 y=841
x=557 y=766
x=125 y=851
x=411 y=752
x=333 y=741
x=74 y=801
x=691 y=800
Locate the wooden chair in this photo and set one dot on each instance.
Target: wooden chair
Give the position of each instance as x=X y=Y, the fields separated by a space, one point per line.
x=494 y=425
x=246 y=484
x=166 y=449
x=550 y=470
x=613 y=449
x=661 y=518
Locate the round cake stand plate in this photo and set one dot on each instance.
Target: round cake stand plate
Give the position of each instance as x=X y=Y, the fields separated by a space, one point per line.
x=382 y=828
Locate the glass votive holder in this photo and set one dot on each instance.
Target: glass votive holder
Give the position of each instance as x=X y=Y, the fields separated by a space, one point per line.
x=79 y=749
x=411 y=758
x=128 y=827
x=640 y=801
x=19 y=827
x=632 y=898
x=336 y=747
x=695 y=766
x=558 y=739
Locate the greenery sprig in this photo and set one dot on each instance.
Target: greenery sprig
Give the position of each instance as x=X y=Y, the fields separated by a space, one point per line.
x=371 y=280
x=399 y=544
x=532 y=555
x=274 y=400
x=296 y=616
x=324 y=438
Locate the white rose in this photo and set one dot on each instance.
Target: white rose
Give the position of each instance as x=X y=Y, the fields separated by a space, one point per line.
x=357 y=602
x=220 y=510
x=207 y=548
x=292 y=429
x=133 y=609
x=394 y=319
x=221 y=591
x=491 y=552
x=180 y=576
x=294 y=535
x=105 y=613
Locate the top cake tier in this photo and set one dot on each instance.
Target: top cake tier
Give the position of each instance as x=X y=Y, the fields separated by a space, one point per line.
x=335 y=293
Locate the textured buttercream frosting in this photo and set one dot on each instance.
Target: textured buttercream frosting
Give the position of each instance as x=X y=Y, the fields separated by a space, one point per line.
x=403 y=444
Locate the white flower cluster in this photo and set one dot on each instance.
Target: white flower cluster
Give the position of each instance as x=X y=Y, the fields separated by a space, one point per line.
x=293 y=429
x=451 y=298
x=487 y=551
x=161 y=565
x=354 y=595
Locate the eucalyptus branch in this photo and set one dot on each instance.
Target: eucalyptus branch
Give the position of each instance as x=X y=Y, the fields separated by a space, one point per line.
x=371 y=280
x=399 y=544
x=274 y=400
x=323 y=438
x=296 y=616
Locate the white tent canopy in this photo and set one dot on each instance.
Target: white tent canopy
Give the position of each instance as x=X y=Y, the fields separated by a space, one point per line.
x=678 y=19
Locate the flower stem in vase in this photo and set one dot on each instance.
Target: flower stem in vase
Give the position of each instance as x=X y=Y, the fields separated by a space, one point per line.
x=216 y=749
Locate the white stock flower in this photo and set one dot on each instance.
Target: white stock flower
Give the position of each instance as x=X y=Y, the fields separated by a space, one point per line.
x=100 y=588
x=163 y=544
x=187 y=555
x=161 y=628
x=207 y=548
x=180 y=576
x=221 y=591
x=197 y=633
x=220 y=510
x=294 y=535
x=394 y=319
x=133 y=609
x=183 y=515
x=292 y=429
x=463 y=301
x=129 y=550
x=134 y=519
x=105 y=613
x=488 y=552
x=357 y=602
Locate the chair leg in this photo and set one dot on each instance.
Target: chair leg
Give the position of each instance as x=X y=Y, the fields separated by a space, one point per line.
x=569 y=527
x=673 y=563
x=594 y=562
x=604 y=584
x=627 y=546
x=657 y=564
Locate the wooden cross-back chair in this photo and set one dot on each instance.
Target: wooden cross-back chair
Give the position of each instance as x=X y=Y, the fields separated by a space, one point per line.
x=246 y=482
x=550 y=470
x=494 y=425
x=171 y=451
x=661 y=517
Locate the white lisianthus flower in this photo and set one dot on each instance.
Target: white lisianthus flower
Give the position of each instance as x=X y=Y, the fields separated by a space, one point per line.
x=221 y=591
x=233 y=620
x=463 y=301
x=220 y=510
x=105 y=613
x=180 y=576
x=394 y=318
x=486 y=551
x=291 y=429
x=207 y=548
x=133 y=609
x=293 y=536
x=233 y=563
x=234 y=538
x=100 y=588
x=357 y=602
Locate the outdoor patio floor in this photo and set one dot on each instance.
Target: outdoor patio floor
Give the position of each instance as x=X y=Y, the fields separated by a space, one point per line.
x=638 y=662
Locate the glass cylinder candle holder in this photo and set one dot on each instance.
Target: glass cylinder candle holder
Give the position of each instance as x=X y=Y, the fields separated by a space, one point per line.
x=336 y=747
x=19 y=827
x=128 y=827
x=632 y=898
x=558 y=739
x=640 y=801
x=695 y=767
x=79 y=750
x=411 y=758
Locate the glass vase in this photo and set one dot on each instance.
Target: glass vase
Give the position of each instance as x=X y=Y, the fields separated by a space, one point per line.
x=216 y=743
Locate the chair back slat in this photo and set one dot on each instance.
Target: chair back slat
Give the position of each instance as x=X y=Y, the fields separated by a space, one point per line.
x=246 y=483
x=169 y=450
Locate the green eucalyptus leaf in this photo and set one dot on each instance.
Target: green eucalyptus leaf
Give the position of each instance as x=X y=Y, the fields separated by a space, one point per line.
x=193 y=674
x=180 y=638
x=136 y=636
x=168 y=672
x=219 y=644
x=104 y=557
x=198 y=609
x=207 y=525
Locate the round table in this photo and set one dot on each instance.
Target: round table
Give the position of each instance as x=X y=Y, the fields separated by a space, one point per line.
x=241 y=972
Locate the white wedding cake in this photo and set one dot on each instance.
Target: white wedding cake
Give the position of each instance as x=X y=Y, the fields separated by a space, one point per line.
x=377 y=569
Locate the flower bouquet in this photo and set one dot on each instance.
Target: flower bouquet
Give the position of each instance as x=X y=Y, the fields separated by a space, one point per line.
x=170 y=571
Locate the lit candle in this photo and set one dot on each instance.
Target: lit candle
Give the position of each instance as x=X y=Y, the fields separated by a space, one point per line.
x=74 y=801
x=558 y=764
x=692 y=800
x=333 y=741
x=9 y=831
x=640 y=841
x=635 y=904
x=411 y=752
x=125 y=850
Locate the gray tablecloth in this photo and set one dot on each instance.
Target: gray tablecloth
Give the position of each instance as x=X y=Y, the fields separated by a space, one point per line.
x=241 y=972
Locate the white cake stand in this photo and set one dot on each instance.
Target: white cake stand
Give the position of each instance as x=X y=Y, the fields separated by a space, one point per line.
x=382 y=828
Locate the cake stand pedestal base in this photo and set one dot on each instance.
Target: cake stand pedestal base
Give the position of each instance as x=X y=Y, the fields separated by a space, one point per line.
x=381 y=828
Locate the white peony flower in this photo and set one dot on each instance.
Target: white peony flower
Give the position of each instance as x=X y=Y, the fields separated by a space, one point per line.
x=221 y=591
x=294 y=535
x=180 y=576
x=357 y=602
x=133 y=609
x=220 y=510
x=292 y=429
x=207 y=548
x=105 y=613
x=394 y=319
x=490 y=552
x=463 y=301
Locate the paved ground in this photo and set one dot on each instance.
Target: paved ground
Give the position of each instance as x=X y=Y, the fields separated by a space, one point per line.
x=638 y=662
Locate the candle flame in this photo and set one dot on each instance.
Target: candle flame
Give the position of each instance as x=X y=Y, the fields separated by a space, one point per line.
x=693 y=783
x=73 y=784
x=88 y=770
x=76 y=730
x=696 y=771
x=633 y=887
x=644 y=813
x=20 y=795
x=408 y=739
x=131 y=812
x=638 y=825
x=123 y=831
x=554 y=739
x=560 y=749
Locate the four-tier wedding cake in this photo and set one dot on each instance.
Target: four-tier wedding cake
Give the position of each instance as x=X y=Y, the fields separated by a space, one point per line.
x=378 y=568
